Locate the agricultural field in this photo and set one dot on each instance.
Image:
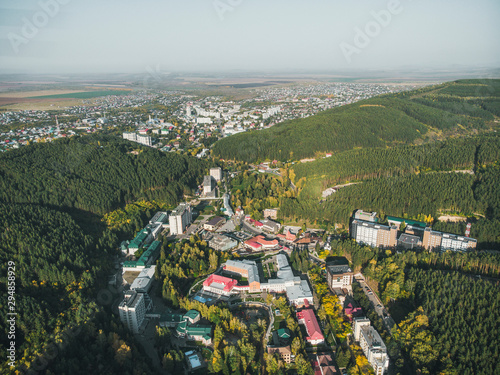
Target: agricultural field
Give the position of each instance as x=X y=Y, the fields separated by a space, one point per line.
x=83 y=94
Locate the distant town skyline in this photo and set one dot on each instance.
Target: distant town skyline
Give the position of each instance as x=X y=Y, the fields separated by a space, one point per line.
x=69 y=36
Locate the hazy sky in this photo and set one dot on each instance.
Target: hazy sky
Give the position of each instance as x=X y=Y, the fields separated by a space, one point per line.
x=251 y=35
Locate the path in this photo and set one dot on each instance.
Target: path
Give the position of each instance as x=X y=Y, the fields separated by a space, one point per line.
x=332 y=189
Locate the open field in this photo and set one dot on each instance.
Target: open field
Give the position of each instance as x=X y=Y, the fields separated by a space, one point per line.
x=83 y=94
x=21 y=104
x=31 y=94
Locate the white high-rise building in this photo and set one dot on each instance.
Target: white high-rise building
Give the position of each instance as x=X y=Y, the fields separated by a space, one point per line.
x=216 y=173
x=372 y=345
x=180 y=218
x=130 y=137
x=133 y=310
x=144 y=140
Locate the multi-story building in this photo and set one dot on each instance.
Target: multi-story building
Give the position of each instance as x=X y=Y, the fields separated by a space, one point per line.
x=284 y=352
x=208 y=184
x=222 y=243
x=133 y=310
x=271 y=213
x=416 y=234
x=366 y=216
x=373 y=234
x=339 y=276
x=216 y=173
x=372 y=345
x=130 y=137
x=248 y=269
x=142 y=139
x=297 y=290
x=180 y=218
x=446 y=241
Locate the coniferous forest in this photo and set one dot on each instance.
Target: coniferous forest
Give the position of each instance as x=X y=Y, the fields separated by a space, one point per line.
x=95 y=174
x=52 y=197
x=436 y=112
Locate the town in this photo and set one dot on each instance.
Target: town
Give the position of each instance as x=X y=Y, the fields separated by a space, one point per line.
x=181 y=121
x=260 y=275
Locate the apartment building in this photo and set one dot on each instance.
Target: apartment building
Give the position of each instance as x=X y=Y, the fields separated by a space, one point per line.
x=180 y=218
x=415 y=235
x=133 y=310
x=372 y=345
x=446 y=241
x=216 y=173
x=373 y=234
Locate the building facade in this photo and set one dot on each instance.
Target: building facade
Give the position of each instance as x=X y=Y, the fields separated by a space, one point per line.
x=216 y=173
x=133 y=310
x=434 y=240
x=372 y=345
x=180 y=218
x=373 y=234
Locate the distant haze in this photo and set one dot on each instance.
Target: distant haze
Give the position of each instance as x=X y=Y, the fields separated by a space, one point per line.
x=125 y=36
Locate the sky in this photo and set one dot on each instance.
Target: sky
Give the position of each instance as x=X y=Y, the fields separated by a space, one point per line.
x=132 y=36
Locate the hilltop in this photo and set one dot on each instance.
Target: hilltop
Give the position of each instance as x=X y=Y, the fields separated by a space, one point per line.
x=436 y=112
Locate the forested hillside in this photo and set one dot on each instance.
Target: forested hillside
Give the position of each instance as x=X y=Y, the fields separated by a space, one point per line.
x=461 y=107
x=414 y=196
x=52 y=198
x=95 y=174
x=462 y=325
x=361 y=164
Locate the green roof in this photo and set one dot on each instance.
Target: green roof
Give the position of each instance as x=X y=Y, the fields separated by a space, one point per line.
x=151 y=252
x=199 y=330
x=155 y=246
x=407 y=221
x=182 y=327
x=192 y=314
x=284 y=333
x=138 y=241
x=171 y=318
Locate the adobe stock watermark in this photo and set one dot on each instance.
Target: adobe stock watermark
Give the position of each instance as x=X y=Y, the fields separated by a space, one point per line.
x=51 y=350
x=223 y=6
x=363 y=37
x=38 y=20
x=155 y=78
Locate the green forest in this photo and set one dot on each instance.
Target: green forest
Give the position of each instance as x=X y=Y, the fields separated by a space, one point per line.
x=95 y=174
x=446 y=313
x=412 y=197
x=356 y=165
x=462 y=325
x=431 y=113
x=52 y=198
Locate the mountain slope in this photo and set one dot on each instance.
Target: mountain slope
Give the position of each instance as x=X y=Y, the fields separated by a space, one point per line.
x=461 y=107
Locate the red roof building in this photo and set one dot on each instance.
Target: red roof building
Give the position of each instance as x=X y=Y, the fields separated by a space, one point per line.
x=219 y=284
x=260 y=242
x=290 y=236
x=307 y=317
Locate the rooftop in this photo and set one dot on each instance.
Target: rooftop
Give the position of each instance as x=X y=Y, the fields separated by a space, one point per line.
x=311 y=323
x=415 y=223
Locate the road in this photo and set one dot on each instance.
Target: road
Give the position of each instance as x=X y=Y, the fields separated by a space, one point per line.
x=376 y=302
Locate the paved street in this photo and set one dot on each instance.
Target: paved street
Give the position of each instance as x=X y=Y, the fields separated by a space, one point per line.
x=376 y=302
